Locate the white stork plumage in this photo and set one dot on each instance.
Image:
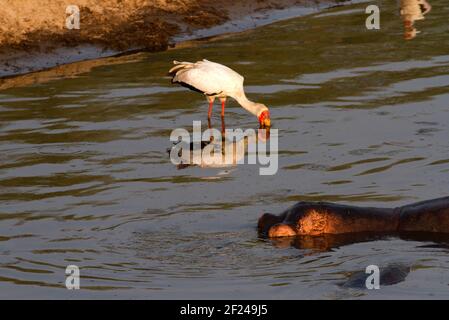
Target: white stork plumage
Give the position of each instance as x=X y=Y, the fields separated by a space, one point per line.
x=215 y=80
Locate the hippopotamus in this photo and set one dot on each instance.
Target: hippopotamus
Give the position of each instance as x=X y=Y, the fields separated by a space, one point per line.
x=322 y=218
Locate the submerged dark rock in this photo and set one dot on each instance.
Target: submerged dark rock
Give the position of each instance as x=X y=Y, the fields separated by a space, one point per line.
x=389 y=275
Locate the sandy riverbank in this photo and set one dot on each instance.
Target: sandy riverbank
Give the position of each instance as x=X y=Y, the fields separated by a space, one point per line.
x=33 y=35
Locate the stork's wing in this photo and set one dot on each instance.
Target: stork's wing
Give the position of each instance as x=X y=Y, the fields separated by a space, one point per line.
x=199 y=79
x=208 y=77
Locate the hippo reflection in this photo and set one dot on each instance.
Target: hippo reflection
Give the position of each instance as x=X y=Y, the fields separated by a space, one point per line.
x=327 y=242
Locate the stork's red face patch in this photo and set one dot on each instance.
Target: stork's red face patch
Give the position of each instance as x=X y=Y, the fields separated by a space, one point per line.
x=264 y=119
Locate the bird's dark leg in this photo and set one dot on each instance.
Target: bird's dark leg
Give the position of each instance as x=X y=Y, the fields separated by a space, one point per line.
x=223 y=127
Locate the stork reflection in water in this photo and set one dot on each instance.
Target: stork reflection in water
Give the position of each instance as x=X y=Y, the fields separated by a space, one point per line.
x=411 y=11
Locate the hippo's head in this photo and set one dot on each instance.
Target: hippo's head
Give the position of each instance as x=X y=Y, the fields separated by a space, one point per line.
x=302 y=219
x=272 y=226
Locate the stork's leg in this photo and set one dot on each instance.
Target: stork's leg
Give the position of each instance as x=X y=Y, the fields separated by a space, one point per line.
x=211 y=105
x=223 y=126
x=209 y=113
x=209 y=125
x=223 y=103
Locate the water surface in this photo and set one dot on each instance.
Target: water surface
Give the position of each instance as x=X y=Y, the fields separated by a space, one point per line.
x=363 y=119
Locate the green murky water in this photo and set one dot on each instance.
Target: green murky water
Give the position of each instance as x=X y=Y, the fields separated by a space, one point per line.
x=363 y=117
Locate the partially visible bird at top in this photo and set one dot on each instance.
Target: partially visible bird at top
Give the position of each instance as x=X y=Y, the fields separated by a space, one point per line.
x=215 y=80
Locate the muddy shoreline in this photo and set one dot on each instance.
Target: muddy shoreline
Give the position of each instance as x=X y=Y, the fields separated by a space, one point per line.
x=109 y=28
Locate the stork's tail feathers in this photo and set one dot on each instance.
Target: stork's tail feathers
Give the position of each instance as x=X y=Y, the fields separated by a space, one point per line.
x=179 y=68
